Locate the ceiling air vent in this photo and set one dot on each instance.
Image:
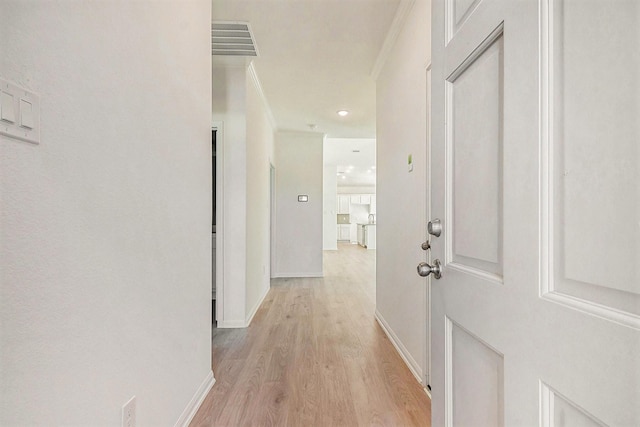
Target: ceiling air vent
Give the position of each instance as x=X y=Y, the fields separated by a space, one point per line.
x=232 y=39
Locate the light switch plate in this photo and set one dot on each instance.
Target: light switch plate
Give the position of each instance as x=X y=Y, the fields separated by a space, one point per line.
x=20 y=114
x=7 y=108
x=26 y=114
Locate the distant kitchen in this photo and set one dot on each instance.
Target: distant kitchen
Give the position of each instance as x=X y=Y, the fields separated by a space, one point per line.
x=356 y=219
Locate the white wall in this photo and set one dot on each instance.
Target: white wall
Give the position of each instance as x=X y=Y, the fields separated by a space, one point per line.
x=401 y=130
x=359 y=214
x=247 y=153
x=229 y=106
x=105 y=251
x=299 y=225
x=368 y=189
x=259 y=158
x=330 y=210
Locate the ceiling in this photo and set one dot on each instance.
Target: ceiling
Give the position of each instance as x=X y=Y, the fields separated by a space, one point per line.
x=354 y=159
x=316 y=57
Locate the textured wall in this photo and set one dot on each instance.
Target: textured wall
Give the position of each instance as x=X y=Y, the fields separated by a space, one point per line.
x=259 y=158
x=246 y=147
x=105 y=262
x=401 y=196
x=298 y=225
x=229 y=105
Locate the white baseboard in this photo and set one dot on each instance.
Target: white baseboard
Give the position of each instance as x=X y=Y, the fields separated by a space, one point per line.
x=294 y=275
x=197 y=399
x=400 y=348
x=228 y=324
x=231 y=324
x=254 y=310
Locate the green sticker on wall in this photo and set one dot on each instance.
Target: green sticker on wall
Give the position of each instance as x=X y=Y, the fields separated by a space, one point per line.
x=410 y=162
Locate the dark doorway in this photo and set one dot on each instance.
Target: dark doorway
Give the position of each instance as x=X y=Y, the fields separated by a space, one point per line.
x=213 y=226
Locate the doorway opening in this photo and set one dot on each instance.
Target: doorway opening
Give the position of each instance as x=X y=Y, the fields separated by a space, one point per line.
x=213 y=225
x=349 y=213
x=217 y=223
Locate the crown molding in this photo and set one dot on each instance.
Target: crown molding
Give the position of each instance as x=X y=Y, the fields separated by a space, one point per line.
x=256 y=82
x=392 y=35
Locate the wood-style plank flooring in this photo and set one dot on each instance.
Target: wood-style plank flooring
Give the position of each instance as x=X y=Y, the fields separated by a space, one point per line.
x=314 y=356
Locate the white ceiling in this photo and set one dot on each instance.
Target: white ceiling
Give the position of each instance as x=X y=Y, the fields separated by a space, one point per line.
x=316 y=57
x=354 y=159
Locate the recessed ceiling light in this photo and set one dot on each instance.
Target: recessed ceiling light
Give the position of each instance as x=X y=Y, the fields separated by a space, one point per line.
x=343 y=113
x=344 y=177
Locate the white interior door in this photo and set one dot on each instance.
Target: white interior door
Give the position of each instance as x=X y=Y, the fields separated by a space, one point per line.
x=535 y=174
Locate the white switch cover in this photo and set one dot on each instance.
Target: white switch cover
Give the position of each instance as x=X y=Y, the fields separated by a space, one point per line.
x=7 y=104
x=20 y=114
x=26 y=114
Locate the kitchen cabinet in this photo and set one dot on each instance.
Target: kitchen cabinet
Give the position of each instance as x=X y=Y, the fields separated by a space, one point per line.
x=360 y=199
x=367 y=235
x=344 y=232
x=343 y=204
x=372 y=205
x=370 y=236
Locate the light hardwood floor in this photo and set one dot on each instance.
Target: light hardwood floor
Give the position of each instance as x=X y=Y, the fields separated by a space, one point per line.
x=314 y=356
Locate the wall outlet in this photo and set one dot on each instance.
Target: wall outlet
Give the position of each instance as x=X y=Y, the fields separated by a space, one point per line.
x=129 y=413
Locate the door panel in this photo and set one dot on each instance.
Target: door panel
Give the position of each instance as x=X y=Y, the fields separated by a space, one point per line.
x=535 y=172
x=558 y=411
x=596 y=154
x=457 y=14
x=475 y=380
x=474 y=134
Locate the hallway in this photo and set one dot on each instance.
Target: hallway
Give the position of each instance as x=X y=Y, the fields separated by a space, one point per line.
x=314 y=355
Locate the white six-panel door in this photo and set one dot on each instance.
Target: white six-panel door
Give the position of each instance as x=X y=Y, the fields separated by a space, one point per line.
x=535 y=174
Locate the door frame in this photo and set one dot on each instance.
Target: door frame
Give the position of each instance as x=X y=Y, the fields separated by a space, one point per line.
x=272 y=219
x=427 y=178
x=218 y=126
